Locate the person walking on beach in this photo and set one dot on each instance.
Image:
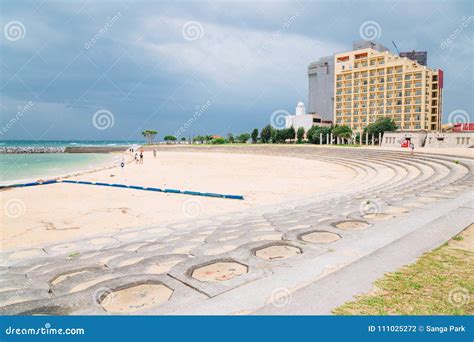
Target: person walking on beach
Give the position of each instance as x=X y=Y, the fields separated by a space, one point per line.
x=136 y=158
x=412 y=148
x=141 y=157
x=154 y=152
x=122 y=164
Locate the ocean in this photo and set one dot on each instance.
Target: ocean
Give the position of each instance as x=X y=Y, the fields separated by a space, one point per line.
x=29 y=166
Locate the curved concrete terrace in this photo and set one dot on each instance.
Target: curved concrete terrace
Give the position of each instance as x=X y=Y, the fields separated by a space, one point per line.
x=394 y=200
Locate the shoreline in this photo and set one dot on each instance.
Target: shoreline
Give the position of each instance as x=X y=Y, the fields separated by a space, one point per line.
x=9 y=184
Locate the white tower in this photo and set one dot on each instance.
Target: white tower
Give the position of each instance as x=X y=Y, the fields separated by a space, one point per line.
x=300 y=110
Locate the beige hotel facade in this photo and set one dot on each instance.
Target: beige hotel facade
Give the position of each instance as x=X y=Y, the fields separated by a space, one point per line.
x=370 y=84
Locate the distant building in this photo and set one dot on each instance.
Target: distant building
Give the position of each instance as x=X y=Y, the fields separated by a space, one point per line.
x=463 y=139
x=321 y=87
x=371 y=84
x=321 y=82
x=421 y=57
x=301 y=119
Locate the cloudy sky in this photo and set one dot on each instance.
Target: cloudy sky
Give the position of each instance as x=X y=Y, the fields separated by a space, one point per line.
x=108 y=70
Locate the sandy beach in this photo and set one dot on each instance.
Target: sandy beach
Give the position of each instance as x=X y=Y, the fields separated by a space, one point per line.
x=59 y=212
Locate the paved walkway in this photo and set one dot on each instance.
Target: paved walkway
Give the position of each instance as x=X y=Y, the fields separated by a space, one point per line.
x=249 y=261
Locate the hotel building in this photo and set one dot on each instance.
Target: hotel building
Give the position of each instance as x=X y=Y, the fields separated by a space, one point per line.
x=370 y=84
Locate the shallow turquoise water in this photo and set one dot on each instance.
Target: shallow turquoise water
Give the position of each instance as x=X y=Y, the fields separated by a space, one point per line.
x=32 y=166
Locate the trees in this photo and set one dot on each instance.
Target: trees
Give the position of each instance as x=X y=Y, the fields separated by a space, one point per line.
x=199 y=138
x=230 y=138
x=266 y=134
x=314 y=133
x=254 y=135
x=218 y=141
x=243 y=138
x=344 y=132
x=289 y=133
x=300 y=134
x=169 y=138
x=381 y=125
x=149 y=135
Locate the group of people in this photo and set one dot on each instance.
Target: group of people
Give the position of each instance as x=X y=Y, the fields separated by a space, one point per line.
x=138 y=156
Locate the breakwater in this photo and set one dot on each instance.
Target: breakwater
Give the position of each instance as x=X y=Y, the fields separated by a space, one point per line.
x=56 y=149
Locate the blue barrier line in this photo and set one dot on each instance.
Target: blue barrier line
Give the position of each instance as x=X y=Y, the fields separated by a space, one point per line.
x=22 y=185
x=134 y=187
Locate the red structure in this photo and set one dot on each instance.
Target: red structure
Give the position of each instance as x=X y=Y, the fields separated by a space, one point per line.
x=464 y=127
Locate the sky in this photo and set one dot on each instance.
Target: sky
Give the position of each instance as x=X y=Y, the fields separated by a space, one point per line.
x=109 y=70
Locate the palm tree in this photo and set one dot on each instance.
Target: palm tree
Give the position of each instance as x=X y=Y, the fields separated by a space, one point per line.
x=149 y=135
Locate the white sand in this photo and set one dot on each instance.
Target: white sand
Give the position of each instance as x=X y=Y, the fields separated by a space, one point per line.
x=58 y=212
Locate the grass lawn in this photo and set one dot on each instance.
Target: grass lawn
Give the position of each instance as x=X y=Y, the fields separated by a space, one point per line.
x=441 y=282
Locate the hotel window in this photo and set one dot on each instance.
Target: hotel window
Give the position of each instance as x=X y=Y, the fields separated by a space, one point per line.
x=418 y=92
x=418 y=84
x=418 y=109
x=408 y=93
x=418 y=76
x=407 y=84
x=407 y=77
x=407 y=109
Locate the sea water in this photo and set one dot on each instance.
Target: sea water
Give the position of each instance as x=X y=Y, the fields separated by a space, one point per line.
x=30 y=166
